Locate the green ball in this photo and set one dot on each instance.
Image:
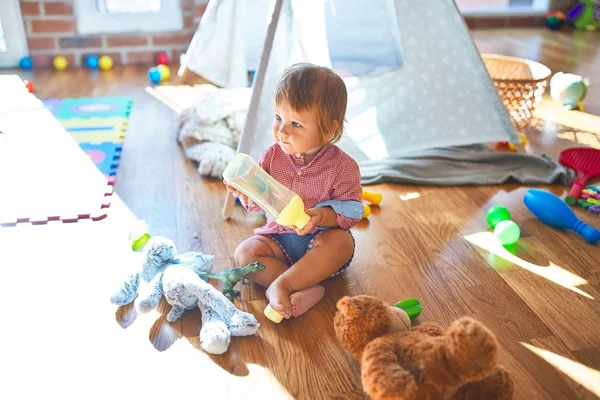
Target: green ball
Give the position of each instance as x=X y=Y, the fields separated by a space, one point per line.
x=496 y=214
x=507 y=232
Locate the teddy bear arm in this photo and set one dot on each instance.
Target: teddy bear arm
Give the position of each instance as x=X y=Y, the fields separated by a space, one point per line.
x=497 y=386
x=429 y=328
x=383 y=375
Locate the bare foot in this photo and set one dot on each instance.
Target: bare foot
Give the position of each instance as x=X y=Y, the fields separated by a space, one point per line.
x=304 y=300
x=279 y=298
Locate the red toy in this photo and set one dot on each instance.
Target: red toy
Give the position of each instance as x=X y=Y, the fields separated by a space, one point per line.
x=29 y=86
x=163 y=59
x=586 y=162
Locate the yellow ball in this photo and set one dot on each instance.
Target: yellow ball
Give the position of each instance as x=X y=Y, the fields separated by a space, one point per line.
x=367 y=211
x=60 y=63
x=165 y=72
x=105 y=63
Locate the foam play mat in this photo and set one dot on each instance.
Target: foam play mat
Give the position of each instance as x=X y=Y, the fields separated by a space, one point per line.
x=44 y=175
x=87 y=107
x=98 y=125
x=59 y=157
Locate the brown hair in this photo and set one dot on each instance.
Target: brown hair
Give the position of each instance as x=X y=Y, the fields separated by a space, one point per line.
x=308 y=87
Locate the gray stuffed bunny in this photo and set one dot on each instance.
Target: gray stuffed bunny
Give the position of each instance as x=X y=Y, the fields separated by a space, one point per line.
x=177 y=278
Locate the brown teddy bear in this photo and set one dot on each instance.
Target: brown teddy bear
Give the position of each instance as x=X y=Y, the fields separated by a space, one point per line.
x=423 y=363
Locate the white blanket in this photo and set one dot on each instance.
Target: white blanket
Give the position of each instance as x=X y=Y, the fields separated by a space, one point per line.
x=210 y=130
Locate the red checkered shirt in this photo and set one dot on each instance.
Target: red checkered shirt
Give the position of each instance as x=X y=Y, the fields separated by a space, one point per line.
x=331 y=175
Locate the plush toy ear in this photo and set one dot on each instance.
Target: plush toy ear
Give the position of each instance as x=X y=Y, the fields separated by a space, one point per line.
x=344 y=305
x=361 y=306
x=158 y=252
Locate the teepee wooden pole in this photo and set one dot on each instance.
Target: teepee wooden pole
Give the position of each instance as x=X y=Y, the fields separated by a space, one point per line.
x=249 y=132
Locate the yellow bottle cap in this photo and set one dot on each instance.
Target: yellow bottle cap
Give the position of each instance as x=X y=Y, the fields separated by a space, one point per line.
x=302 y=221
x=272 y=314
x=293 y=214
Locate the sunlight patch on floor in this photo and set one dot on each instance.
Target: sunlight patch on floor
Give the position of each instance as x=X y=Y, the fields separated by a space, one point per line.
x=552 y=272
x=409 y=196
x=587 y=377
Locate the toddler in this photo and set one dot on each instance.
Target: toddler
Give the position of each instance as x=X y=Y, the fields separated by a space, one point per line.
x=310 y=105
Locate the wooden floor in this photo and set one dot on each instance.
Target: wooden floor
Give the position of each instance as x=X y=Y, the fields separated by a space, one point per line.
x=60 y=337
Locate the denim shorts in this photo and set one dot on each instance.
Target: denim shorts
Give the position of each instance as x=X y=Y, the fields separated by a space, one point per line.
x=295 y=246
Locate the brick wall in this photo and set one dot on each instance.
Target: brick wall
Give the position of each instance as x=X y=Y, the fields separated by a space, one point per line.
x=50 y=26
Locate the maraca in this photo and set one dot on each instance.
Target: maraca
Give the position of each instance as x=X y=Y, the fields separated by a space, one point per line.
x=553 y=211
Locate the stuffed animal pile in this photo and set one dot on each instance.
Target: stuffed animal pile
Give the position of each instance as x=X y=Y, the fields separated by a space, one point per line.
x=177 y=278
x=425 y=362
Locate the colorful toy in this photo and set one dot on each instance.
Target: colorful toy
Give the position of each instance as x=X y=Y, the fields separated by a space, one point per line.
x=569 y=90
x=586 y=162
x=552 y=210
x=165 y=72
x=154 y=75
x=105 y=63
x=411 y=306
x=425 y=362
x=231 y=277
x=281 y=204
x=586 y=15
x=139 y=235
x=60 y=63
x=512 y=146
x=590 y=200
x=29 y=86
x=555 y=20
x=26 y=63
x=162 y=59
x=92 y=61
x=496 y=214
x=372 y=197
x=176 y=276
x=507 y=232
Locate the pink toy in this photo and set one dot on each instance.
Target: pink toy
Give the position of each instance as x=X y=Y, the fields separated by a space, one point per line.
x=586 y=162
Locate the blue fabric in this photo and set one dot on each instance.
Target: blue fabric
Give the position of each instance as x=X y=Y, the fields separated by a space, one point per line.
x=347 y=208
x=294 y=245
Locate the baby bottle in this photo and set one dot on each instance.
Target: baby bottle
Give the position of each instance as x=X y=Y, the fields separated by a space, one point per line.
x=281 y=204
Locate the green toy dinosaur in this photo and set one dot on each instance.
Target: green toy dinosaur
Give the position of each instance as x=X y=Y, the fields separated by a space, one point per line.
x=231 y=277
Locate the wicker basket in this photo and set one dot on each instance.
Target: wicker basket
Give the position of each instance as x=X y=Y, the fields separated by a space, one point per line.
x=520 y=83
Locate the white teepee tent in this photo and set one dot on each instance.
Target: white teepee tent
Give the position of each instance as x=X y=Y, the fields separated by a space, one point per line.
x=439 y=93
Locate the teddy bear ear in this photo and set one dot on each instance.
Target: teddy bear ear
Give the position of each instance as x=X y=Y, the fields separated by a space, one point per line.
x=357 y=306
x=344 y=304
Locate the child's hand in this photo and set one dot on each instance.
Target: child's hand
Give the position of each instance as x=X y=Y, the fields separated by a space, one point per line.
x=236 y=193
x=317 y=217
